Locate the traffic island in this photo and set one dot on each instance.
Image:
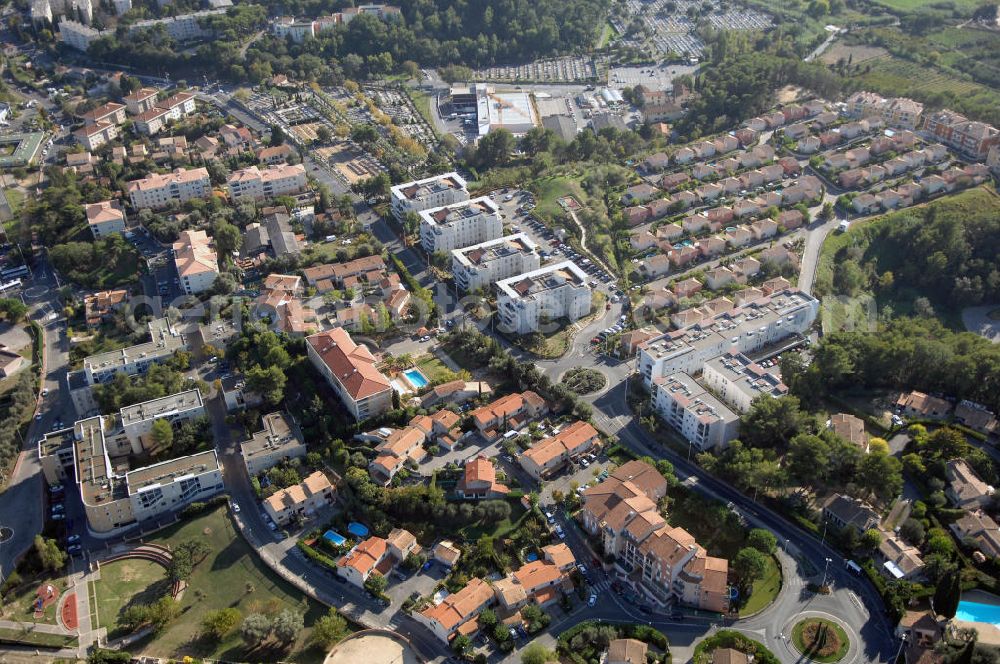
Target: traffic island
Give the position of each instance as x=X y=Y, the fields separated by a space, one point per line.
x=820 y=640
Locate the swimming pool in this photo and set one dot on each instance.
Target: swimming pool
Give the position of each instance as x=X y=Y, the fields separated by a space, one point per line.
x=417 y=379
x=978 y=612
x=357 y=529
x=334 y=538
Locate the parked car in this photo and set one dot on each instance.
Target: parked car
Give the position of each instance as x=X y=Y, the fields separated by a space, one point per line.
x=593 y=599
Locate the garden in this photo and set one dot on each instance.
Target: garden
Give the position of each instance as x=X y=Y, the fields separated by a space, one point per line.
x=727 y=638
x=587 y=641
x=584 y=380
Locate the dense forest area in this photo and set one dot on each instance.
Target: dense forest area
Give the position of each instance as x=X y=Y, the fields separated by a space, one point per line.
x=431 y=32
x=947 y=252
x=904 y=354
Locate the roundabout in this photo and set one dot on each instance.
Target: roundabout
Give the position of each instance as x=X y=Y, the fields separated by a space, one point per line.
x=820 y=637
x=583 y=380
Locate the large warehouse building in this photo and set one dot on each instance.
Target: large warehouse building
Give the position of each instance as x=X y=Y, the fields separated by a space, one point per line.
x=491 y=110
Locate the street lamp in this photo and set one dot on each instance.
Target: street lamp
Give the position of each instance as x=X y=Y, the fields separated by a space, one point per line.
x=825 y=569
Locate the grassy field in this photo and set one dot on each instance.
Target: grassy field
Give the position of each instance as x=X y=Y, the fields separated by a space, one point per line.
x=231 y=576
x=125 y=583
x=15 y=198
x=30 y=638
x=19 y=605
x=549 y=190
x=764 y=589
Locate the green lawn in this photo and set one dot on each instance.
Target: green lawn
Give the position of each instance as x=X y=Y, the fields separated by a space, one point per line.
x=231 y=576
x=31 y=638
x=549 y=190
x=434 y=369
x=19 y=604
x=765 y=590
x=15 y=198
x=125 y=583
x=494 y=529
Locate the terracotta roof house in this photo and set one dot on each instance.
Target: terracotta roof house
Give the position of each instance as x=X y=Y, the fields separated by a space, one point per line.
x=508 y=413
x=921 y=405
x=551 y=453
x=851 y=429
x=456 y=609
x=981 y=530
x=479 y=481
x=360 y=562
x=729 y=656
x=847 y=512
x=626 y=651
x=350 y=370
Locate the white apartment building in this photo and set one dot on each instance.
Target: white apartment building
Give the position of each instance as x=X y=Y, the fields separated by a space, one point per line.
x=254 y=183
x=137 y=419
x=164 y=342
x=105 y=218
x=745 y=329
x=77 y=35
x=279 y=440
x=555 y=291
x=196 y=262
x=895 y=112
x=701 y=418
x=178 y=105
x=460 y=225
x=419 y=195
x=738 y=381
x=161 y=190
x=488 y=262
x=185 y=27
x=95 y=135
x=141 y=100
x=93 y=454
x=350 y=370
x=151 y=121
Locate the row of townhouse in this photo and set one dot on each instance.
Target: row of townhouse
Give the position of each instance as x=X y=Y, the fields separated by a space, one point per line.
x=803 y=189
x=540 y=582
x=688 y=154
x=863 y=154
x=907 y=194
x=858 y=175
x=755 y=157
x=550 y=454
x=831 y=138
x=662 y=563
x=376 y=555
x=395 y=448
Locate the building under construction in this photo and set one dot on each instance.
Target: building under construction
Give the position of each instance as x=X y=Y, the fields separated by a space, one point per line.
x=484 y=109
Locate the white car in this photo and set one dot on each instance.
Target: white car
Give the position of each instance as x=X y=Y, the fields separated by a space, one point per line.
x=236 y=507
x=593 y=599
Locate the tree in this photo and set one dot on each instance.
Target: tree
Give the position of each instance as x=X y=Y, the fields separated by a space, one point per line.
x=495 y=149
x=329 y=630
x=912 y=531
x=870 y=539
x=287 y=625
x=376 y=584
x=536 y=653
x=184 y=557
x=50 y=553
x=269 y=382
x=102 y=656
x=218 y=624
x=947 y=594
x=488 y=618
x=256 y=628
x=762 y=540
x=227 y=239
x=772 y=422
x=162 y=434
x=410 y=68
x=13 y=310
x=324 y=135
x=461 y=644
x=749 y=565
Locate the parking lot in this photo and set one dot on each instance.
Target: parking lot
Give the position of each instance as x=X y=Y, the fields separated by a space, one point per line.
x=672 y=33
x=659 y=77
x=517 y=219
x=571 y=69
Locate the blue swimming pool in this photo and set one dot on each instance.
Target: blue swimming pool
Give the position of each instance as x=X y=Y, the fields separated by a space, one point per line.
x=334 y=538
x=357 y=529
x=978 y=612
x=531 y=557
x=417 y=379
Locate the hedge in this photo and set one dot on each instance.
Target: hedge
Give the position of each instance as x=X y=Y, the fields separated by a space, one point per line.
x=316 y=556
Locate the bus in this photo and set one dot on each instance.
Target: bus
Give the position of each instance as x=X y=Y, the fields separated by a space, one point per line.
x=14 y=272
x=10 y=285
